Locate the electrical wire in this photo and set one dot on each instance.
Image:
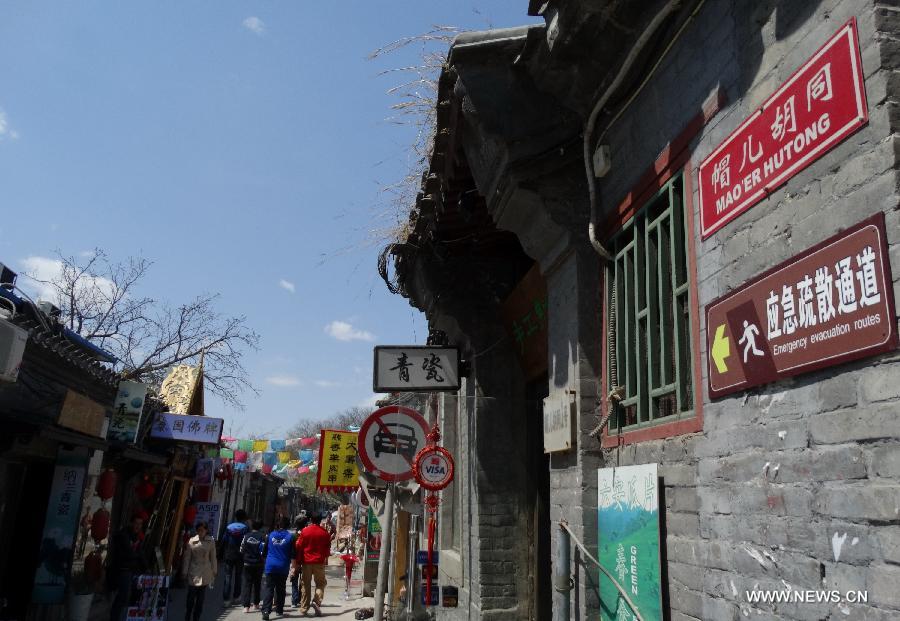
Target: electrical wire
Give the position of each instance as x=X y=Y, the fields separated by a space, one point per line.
x=652 y=70
x=622 y=592
x=37 y=311
x=632 y=56
x=624 y=69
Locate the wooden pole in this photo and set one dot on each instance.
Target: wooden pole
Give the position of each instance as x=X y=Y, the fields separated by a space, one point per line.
x=176 y=524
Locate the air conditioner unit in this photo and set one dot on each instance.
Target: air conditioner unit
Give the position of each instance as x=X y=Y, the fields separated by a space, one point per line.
x=12 y=347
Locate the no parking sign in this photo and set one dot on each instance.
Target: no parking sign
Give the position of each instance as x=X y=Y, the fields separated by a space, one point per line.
x=389 y=440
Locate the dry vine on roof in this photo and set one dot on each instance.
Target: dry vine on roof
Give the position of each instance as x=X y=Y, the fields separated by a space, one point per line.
x=416 y=105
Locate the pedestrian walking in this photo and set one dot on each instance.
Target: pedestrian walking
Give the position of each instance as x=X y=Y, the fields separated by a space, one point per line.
x=312 y=551
x=279 y=552
x=253 y=551
x=294 y=577
x=126 y=563
x=231 y=554
x=199 y=568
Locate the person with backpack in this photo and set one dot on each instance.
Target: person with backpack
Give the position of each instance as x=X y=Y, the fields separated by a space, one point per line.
x=253 y=551
x=234 y=561
x=279 y=552
x=299 y=524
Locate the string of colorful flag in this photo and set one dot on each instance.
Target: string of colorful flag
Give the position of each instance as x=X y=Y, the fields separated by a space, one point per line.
x=288 y=457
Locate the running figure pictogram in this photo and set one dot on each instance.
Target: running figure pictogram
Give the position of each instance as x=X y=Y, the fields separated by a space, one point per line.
x=750 y=334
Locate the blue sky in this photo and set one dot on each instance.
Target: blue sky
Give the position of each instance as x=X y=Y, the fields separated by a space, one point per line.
x=239 y=145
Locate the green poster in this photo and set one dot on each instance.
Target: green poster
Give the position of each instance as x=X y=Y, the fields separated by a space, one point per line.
x=374 y=525
x=373 y=541
x=628 y=542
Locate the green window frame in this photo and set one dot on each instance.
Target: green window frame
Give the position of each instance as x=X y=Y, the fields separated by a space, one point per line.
x=650 y=353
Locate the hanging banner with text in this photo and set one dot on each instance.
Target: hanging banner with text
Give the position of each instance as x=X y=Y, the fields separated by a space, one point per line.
x=209 y=512
x=337 y=461
x=127 y=411
x=820 y=105
x=628 y=541
x=201 y=429
x=60 y=526
x=828 y=305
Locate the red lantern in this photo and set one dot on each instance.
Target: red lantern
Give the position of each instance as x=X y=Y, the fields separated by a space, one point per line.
x=93 y=566
x=100 y=525
x=145 y=490
x=106 y=484
x=190 y=515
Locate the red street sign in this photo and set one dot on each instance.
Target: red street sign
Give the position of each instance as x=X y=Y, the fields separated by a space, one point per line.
x=389 y=440
x=820 y=105
x=830 y=304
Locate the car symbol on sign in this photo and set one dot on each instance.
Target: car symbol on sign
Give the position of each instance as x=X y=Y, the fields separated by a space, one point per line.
x=403 y=435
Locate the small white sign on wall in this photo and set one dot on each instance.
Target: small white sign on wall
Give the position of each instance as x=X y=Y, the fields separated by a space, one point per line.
x=559 y=412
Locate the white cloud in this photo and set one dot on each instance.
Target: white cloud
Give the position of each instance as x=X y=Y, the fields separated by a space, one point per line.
x=370 y=402
x=254 y=25
x=283 y=381
x=343 y=331
x=5 y=130
x=286 y=285
x=41 y=268
x=46 y=268
x=326 y=384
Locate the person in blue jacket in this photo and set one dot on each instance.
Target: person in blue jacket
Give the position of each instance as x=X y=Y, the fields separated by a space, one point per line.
x=231 y=554
x=279 y=552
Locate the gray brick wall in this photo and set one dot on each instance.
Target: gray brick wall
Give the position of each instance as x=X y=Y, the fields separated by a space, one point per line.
x=491 y=486
x=792 y=485
x=795 y=484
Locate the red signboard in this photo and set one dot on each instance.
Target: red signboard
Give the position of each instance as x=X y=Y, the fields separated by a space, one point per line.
x=820 y=105
x=830 y=304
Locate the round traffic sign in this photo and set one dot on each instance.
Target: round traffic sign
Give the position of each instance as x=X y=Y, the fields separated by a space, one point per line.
x=389 y=440
x=433 y=468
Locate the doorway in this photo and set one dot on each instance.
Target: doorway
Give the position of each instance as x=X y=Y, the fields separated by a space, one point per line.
x=539 y=477
x=21 y=528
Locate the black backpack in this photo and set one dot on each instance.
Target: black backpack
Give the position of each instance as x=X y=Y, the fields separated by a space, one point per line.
x=252 y=548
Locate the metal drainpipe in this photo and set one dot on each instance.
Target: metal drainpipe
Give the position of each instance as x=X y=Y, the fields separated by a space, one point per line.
x=562 y=581
x=630 y=59
x=385 y=558
x=411 y=582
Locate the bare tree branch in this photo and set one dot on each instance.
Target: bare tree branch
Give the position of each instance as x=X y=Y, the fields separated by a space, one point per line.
x=349 y=417
x=99 y=300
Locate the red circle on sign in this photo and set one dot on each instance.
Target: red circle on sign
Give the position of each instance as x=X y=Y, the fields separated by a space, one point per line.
x=374 y=419
x=443 y=458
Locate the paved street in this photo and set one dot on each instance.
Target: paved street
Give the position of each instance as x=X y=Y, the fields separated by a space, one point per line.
x=333 y=606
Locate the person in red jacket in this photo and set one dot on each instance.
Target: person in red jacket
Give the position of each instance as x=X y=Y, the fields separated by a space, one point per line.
x=313 y=549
